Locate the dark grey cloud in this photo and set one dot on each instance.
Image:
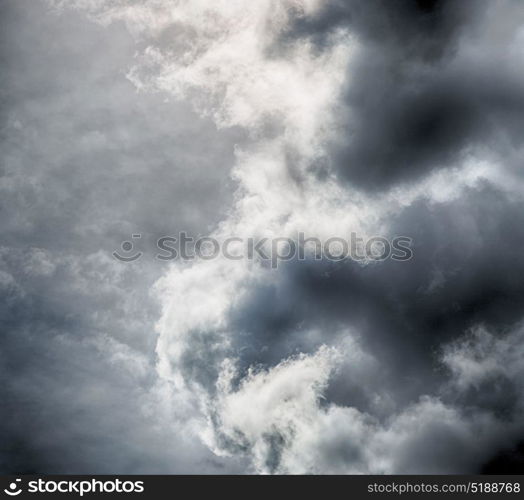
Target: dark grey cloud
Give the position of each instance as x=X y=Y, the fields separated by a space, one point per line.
x=99 y=156
x=509 y=461
x=431 y=83
x=86 y=161
x=421 y=29
x=465 y=272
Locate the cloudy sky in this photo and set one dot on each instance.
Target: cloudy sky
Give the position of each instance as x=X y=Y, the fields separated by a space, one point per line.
x=261 y=119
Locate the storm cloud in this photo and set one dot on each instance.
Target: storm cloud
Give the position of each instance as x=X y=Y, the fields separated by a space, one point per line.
x=249 y=119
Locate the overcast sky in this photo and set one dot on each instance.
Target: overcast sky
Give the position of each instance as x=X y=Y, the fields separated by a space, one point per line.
x=261 y=119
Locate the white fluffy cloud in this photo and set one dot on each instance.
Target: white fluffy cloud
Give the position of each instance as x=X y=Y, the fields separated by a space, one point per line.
x=280 y=418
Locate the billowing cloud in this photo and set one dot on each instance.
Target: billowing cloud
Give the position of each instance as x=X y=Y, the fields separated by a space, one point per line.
x=264 y=119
